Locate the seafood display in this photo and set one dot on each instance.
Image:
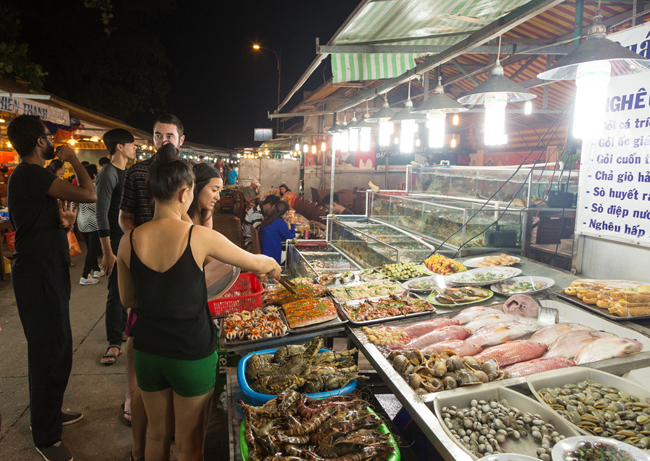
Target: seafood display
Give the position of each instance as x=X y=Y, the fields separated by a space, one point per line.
x=402 y=271
x=548 y=335
x=438 y=335
x=304 y=288
x=483 y=276
x=309 y=312
x=367 y=290
x=597 y=451
x=386 y=307
x=621 y=298
x=601 y=410
x=489 y=319
x=427 y=373
x=421 y=328
x=301 y=368
x=460 y=295
x=520 y=285
x=484 y=426
x=521 y=305
x=383 y=336
x=293 y=426
x=499 y=333
x=249 y=326
x=469 y=314
x=493 y=261
x=538 y=365
x=607 y=348
x=440 y=264
x=513 y=352
x=460 y=346
x=570 y=344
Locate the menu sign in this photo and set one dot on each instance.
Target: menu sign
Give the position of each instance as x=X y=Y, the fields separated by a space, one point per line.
x=614 y=191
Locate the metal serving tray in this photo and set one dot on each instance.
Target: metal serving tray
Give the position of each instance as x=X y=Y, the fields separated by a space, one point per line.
x=320 y=326
x=225 y=343
x=343 y=311
x=598 y=310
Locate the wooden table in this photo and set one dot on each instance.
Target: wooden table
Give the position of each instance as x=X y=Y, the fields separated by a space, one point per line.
x=5 y=226
x=547 y=251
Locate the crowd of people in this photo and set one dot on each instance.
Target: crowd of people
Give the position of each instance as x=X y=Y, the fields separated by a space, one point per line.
x=156 y=299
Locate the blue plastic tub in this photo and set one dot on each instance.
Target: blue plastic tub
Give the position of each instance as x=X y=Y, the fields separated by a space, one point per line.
x=258 y=399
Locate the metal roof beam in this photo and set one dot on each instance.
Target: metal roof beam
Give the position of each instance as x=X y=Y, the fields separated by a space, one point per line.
x=374 y=109
x=505 y=62
x=493 y=30
x=431 y=49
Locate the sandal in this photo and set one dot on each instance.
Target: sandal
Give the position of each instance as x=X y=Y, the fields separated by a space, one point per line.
x=111 y=356
x=124 y=415
x=133 y=459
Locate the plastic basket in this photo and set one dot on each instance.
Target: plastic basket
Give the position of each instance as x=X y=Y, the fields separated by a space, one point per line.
x=257 y=399
x=11 y=240
x=221 y=307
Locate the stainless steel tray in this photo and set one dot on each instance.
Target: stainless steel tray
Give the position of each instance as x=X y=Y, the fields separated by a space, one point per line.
x=598 y=310
x=225 y=343
x=344 y=312
x=320 y=326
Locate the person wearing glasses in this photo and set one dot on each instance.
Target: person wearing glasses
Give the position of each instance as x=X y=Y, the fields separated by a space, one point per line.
x=40 y=212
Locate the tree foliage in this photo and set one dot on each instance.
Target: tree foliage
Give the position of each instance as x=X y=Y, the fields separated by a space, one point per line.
x=101 y=54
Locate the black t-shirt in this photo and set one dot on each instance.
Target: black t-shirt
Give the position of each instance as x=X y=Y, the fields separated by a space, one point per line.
x=346 y=211
x=109 y=193
x=41 y=244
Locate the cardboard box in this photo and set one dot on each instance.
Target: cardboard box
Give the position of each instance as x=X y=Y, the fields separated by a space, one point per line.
x=566 y=244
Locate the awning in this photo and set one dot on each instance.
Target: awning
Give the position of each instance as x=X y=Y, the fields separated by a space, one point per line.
x=409 y=22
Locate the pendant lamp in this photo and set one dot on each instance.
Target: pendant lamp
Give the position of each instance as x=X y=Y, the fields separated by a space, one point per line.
x=365 y=131
x=383 y=116
x=437 y=107
x=353 y=134
x=591 y=65
x=409 y=121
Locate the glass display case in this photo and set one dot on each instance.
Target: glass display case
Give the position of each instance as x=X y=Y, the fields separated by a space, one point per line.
x=452 y=221
x=314 y=262
x=372 y=244
x=480 y=183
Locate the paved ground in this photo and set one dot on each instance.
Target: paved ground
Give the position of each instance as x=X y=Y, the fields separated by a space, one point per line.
x=95 y=389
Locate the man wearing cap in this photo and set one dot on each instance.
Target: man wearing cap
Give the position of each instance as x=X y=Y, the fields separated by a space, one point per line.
x=251 y=193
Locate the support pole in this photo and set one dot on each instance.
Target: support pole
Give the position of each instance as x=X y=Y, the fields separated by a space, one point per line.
x=579 y=19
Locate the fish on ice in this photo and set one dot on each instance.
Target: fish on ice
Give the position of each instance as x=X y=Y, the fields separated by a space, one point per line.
x=461 y=347
x=513 y=352
x=499 y=333
x=537 y=366
x=569 y=345
x=607 y=348
x=441 y=334
x=549 y=334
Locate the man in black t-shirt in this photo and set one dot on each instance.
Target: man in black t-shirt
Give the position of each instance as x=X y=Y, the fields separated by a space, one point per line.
x=40 y=274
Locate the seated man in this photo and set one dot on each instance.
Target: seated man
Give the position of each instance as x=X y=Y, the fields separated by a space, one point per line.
x=338 y=209
x=252 y=192
x=255 y=216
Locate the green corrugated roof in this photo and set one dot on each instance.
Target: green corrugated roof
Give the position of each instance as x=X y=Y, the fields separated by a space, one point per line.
x=414 y=20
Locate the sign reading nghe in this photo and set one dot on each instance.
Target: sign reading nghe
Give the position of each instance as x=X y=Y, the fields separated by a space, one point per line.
x=263 y=134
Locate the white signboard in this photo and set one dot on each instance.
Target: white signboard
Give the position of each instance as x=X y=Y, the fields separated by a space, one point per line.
x=28 y=107
x=614 y=191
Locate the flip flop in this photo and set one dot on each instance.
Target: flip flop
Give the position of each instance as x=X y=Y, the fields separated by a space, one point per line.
x=124 y=415
x=111 y=356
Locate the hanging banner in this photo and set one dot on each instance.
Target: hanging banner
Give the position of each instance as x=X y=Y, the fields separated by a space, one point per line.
x=21 y=106
x=614 y=190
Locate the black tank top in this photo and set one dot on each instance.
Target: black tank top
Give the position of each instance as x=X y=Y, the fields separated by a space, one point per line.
x=173 y=315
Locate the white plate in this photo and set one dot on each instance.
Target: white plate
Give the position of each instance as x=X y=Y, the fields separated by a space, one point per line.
x=438 y=280
x=474 y=262
x=570 y=443
x=532 y=279
x=508 y=457
x=467 y=278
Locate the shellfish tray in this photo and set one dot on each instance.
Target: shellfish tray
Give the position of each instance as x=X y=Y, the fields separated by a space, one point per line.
x=342 y=311
x=225 y=342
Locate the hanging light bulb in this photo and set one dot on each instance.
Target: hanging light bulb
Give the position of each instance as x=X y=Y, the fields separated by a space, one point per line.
x=323 y=146
x=528 y=107
x=408 y=121
x=313 y=149
x=365 y=131
x=383 y=117
x=592 y=64
x=437 y=107
x=418 y=143
x=353 y=134
x=305 y=148
x=496 y=92
x=297 y=146
x=343 y=146
x=453 y=142
x=454 y=121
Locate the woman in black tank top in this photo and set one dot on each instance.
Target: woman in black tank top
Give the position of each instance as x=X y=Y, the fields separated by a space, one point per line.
x=161 y=277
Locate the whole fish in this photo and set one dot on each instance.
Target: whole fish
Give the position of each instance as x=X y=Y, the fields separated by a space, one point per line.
x=537 y=366
x=441 y=334
x=549 y=334
x=489 y=319
x=498 y=333
x=521 y=305
x=569 y=345
x=418 y=329
x=469 y=314
x=459 y=346
x=513 y=352
x=607 y=348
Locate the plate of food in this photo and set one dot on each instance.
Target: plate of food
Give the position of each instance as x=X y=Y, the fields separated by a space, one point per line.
x=439 y=264
x=459 y=296
x=591 y=448
x=492 y=261
x=483 y=276
x=307 y=312
x=403 y=271
x=424 y=284
x=523 y=284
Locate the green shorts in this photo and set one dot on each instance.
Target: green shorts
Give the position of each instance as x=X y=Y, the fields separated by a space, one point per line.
x=188 y=378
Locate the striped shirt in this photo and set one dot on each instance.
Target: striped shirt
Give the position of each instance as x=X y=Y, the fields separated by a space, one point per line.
x=135 y=193
x=86 y=219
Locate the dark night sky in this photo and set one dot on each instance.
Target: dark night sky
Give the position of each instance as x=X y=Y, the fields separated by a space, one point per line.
x=220 y=87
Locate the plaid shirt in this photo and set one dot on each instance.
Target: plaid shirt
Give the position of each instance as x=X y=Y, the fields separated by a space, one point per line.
x=135 y=193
